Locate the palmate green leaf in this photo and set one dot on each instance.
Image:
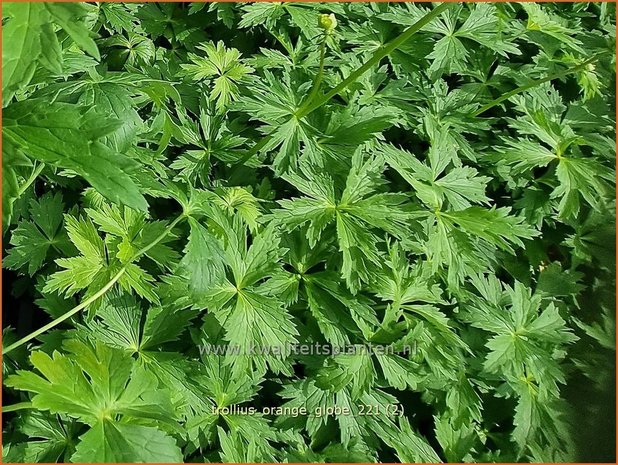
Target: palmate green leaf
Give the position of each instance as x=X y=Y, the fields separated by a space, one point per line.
x=115 y=101
x=33 y=239
x=492 y=225
x=113 y=442
x=253 y=436
x=252 y=319
x=301 y=451
x=34 y=43
x=409 y=292
x=68 y=136
x=581 y=179
x=523 y=155
x=223 y=66
x=543 y=21
x=274 y=102
x=120 y=323
x=104 y=383
x=352 y=210
x=575 y=177
x=450 y=53
x=464 y=402
x=354 y=126
x=578 y=178
x=52 y=437
x=399 y=372
x=457 y=443
x=354 y=371
x=258 y=14
x=357 y=369
x=354 y=427
x=337 y=313
x=234 y=450
x=130 y=232
x=554 y=281
x=216 y=141
x=306 y=393
x=402 y=283
x=29 y=41
x=250 y=434
x=532 y=412
x=437 y=352
x=254 y=322
x=466 y=242
x=525 y=337
x=152 y=18
x=95 y=266
x=456 y=227
x=137 y=48
x=448 y=126
x=235 y=200
x=79 y=271
x=119 y=17
x=590 y=239
x=225 y=12
x=345 y=131
x=459 y=186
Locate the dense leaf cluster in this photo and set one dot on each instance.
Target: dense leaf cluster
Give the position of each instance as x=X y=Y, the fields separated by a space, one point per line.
x=179 y=177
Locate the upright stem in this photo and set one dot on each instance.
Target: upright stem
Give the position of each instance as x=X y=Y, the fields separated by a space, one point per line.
x=318 y=78
x=380 y=53
x=377 y=56
x=95 y=296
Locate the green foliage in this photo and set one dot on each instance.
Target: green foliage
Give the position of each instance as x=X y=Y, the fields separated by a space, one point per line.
x=221 y=64
x=32 y=239
x=242 y=264
x=103 y=388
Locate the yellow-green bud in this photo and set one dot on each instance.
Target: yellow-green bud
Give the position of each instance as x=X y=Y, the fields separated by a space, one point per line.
x=327 y=22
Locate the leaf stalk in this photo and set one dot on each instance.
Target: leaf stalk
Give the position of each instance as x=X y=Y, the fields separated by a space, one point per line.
x=16 y=407
x=35 y=174
x=377 y=56
x=100 y=293
x=536 y=82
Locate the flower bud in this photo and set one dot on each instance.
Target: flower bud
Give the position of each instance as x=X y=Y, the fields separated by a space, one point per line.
x=327 y=22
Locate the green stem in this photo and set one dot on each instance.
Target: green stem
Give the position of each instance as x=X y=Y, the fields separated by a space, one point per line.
x=35 y=174
x=160 y=237
x=380 y=53
x=18 y=406
x=67 y=315
x=101 y=292
x=254 y=150
x=318 y=78
x=376 y=57
x=534 y=83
